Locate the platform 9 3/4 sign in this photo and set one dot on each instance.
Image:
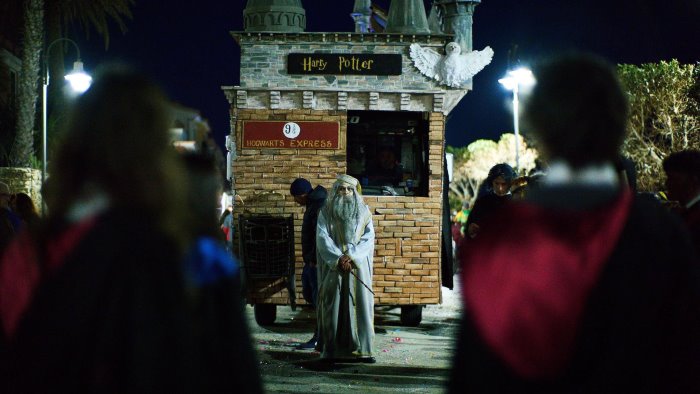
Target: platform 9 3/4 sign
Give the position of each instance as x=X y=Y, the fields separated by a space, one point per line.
x=262 y=134
x=291 y=130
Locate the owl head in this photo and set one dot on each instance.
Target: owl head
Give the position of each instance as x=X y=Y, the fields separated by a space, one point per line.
x=451 y=48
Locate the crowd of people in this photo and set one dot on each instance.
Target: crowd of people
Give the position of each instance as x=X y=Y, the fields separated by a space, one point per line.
x=572 y=282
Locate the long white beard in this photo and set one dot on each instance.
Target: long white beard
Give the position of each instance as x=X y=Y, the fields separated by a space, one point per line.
x=345 y=215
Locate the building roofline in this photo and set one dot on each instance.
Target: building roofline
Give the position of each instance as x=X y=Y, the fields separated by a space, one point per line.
x=340 y=37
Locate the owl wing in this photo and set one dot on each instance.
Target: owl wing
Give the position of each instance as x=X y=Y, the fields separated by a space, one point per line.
x=425 y=60
x=472 y=62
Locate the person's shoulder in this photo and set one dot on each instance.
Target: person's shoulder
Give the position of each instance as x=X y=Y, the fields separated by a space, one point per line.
x=318 y=194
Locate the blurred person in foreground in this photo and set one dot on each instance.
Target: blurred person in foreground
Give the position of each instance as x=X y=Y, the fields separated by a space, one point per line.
x=581 y=287
x=96 y=300
x=345 y=245
x=212 y=280
x=683 y=184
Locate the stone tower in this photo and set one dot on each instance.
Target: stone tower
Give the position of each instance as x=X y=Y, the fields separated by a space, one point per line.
x=274 y=16
x=456 y=17
x=407 y=17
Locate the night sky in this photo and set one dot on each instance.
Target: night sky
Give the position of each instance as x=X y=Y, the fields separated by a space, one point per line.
x=187 y=48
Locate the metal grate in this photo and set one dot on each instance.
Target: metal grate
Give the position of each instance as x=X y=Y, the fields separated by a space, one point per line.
x=267 y=245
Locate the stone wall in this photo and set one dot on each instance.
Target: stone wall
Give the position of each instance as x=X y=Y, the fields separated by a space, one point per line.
x=407 y=252
x=24 y=180
x=264 y=60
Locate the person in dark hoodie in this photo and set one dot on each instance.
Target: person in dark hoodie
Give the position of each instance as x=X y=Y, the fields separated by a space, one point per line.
x=493 y=194
x=582 y=287
x=683 y=183
x=312 y=199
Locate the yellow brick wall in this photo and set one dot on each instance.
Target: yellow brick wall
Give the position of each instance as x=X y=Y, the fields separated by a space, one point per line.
x=407 y=249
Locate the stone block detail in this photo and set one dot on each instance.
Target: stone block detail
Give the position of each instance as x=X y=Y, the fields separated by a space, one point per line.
x=241 y=98
x=308 y=99
x=438 y=102
x=275 y=99
x=373 y=101
x=405 y=101
x=342 y=101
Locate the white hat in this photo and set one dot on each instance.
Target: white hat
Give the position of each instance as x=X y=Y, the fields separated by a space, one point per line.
x=344 y=178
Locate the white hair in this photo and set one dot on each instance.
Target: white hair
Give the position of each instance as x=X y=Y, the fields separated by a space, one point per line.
x=344 y=212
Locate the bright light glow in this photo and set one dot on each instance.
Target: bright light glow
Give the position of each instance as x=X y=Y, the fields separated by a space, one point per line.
x=514 y=81
x=79 y=80
x=521 y=77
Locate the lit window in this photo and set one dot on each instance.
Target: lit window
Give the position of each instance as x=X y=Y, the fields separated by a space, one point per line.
x=387 y=151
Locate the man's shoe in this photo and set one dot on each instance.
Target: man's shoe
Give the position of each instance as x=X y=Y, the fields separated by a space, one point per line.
x=367 y=360
x=311 y=344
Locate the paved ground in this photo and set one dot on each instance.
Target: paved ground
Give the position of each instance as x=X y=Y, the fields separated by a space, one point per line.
x=409 y=359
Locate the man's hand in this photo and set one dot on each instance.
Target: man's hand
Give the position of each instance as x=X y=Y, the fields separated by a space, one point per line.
x=345 y=263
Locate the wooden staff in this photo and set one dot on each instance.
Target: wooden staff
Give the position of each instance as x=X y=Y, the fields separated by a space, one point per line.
x=363 y=283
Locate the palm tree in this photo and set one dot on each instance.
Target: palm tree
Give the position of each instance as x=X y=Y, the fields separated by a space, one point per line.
x=60 y=14
x=22 y=149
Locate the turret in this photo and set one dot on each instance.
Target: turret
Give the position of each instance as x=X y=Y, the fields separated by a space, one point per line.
x=361 y=14
x=407 y=17
x=456 y=17
x=274 y=15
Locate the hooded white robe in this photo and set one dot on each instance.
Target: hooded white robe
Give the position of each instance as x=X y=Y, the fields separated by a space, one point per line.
x=345 y=307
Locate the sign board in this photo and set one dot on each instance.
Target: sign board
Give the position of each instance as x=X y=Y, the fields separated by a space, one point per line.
x=344 y=63
x=261 y=134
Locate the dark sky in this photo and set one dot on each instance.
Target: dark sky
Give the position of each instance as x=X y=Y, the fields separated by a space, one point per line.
x=187 y=48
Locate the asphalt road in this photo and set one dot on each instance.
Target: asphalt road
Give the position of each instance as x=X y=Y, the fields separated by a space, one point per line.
x=409 y=359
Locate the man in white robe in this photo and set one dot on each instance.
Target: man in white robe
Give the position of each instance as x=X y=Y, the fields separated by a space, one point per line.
x=345 y=247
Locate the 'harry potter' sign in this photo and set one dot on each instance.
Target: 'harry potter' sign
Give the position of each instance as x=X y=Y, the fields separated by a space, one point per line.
x=263 y=134
x=344 y=64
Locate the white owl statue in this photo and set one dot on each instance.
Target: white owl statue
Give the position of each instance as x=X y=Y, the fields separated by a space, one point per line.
x=453 y=69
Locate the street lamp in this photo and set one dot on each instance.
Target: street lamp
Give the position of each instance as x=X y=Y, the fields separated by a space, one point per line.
x=514 y=79
x=79 y=81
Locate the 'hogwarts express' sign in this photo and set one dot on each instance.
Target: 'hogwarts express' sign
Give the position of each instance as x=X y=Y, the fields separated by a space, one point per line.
x=260 y=134
x=343 y=64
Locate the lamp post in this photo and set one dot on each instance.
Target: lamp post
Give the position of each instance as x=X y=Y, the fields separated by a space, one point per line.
x=79 y=81
x=513 y=80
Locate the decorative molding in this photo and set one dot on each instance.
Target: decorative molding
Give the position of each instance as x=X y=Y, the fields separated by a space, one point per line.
x=405 y=101
x=373 y=101
x=241 y=98
x=230 y=95
x=342 y=101
x=438 y=101
x=366 y=38
x=275 y=98
x=308 y=99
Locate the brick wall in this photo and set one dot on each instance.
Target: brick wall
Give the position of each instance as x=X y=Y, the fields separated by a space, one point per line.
x=407 y=250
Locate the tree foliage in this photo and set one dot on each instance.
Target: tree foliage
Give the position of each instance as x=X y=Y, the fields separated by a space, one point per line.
x=475 y=161
x=664 y=115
